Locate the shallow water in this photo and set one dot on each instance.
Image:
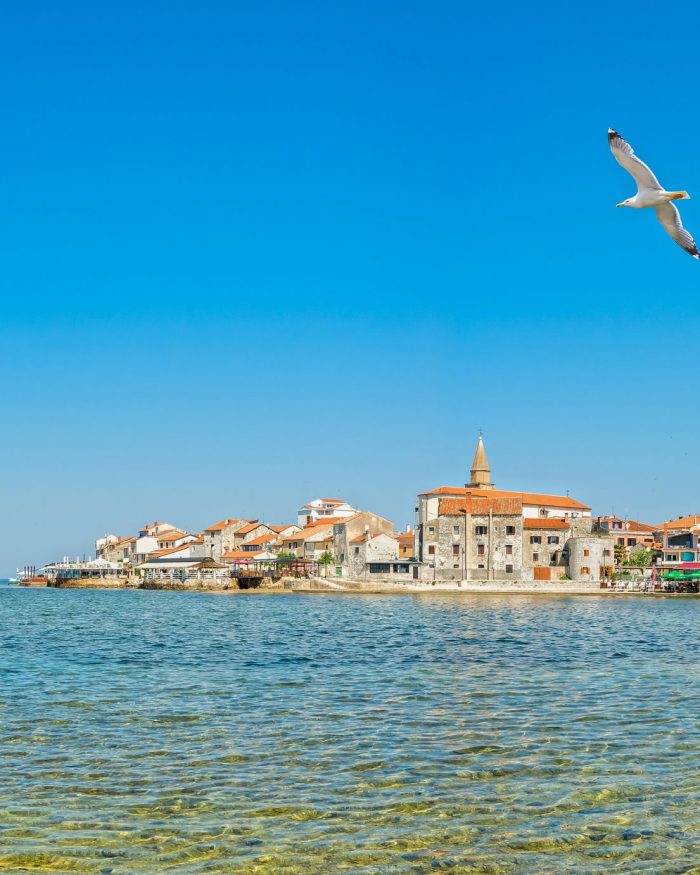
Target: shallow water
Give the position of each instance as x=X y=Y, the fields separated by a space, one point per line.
x=149 y=732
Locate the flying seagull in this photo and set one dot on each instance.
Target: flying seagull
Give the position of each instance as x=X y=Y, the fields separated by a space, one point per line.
x=651 y=194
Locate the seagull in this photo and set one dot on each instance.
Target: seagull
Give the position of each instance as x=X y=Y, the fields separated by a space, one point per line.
x=651 y=194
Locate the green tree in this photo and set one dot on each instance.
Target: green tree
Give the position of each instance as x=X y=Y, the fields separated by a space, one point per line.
x=640 y=557
x=324 y=560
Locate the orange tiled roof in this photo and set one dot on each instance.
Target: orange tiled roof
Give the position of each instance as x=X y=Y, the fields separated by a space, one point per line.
x=119 y=543
x=280 y=529
x=262 y=539
x=221 y=525
x=251 y=527
x=328 y=521
x=545 y=523
x=172 y=536
x=243 y=554
x=312 y=529
x=628 y=525
x=170 y=550
x=477 y=504
x=685 y=522
x=536 y=498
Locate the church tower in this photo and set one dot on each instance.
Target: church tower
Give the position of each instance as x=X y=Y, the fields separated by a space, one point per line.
x=480 y=473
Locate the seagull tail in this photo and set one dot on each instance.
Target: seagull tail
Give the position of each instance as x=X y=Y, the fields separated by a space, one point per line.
x=678 y=196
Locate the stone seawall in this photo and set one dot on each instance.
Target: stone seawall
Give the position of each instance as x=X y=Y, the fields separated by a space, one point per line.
x=544 y=587
x=92 y=583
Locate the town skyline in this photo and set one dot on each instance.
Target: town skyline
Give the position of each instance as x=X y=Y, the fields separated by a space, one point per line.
x=479 y=477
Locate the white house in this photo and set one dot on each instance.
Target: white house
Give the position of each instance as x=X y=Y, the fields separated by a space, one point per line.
x=324 y=508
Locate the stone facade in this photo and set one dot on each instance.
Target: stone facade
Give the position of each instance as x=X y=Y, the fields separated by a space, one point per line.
x=219 y=538
x=544 y=553
x=590 y=559
x=360 y=524
x=368 y=550
x=473 y=539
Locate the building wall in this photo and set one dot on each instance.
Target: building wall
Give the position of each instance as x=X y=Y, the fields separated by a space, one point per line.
x=487 y=555
x=532 y=511
x=545 y=554
x=428 y=508
x=382 y=548
x=590 y=558
x=318 y=510
x=362 y=522
x=220 y=541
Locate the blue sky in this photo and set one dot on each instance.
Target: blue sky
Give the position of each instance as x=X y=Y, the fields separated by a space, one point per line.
x=253 y=253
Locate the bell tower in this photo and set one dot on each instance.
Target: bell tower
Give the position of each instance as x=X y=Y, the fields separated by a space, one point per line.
x=480 y=473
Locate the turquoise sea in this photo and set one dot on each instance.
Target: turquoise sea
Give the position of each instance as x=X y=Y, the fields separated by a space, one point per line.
x=156 y=732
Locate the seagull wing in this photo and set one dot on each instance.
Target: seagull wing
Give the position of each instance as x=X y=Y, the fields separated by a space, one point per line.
x=670 y=218
x=625 y=157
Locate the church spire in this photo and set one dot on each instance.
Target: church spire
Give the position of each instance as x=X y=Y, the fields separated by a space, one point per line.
x=480 y=473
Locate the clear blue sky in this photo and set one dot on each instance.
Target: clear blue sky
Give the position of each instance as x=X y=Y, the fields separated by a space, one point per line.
x=253 y=253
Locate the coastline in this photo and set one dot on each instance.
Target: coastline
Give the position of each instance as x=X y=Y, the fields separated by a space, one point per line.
x=290 y=586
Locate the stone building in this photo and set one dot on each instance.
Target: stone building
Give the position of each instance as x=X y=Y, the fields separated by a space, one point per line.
x=544 y=542
x=473 y=538
x=312 y=541
x=362 y=523
x=590 y=558
x=371 y=554
x=478 y=532
x=219 y=537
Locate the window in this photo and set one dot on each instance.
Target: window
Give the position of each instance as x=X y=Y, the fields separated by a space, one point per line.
x=631 y=542
x=585 y=569
x=480 y=566
x=586 y=552
x=480 y=550
x=357 y=551
x=509 y=549
x=455 y=549
x=481 y=530
x=617 y=525
x=510 y=530
x=431 y=550
x=606 y=552
x=431 y=531
x=535 y=557
x=455 y=531
x=509 y=569
x=553 y=539
x=621 y=542
x=535 y=539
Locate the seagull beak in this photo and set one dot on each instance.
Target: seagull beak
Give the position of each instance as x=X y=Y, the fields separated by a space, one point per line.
x=619 y=205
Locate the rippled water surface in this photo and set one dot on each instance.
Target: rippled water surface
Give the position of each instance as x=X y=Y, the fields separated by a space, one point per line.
x=149 y=732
